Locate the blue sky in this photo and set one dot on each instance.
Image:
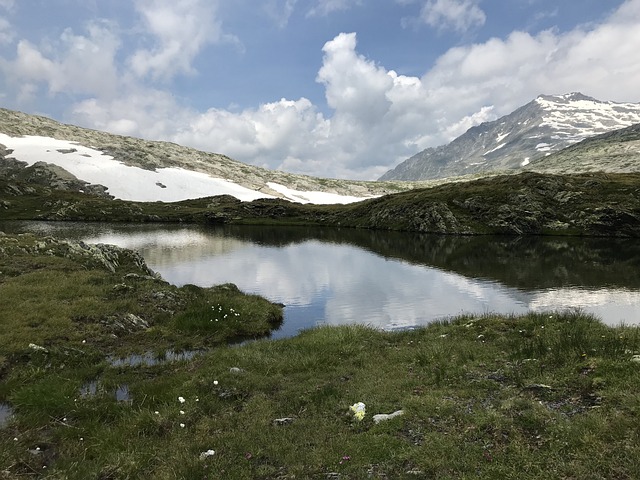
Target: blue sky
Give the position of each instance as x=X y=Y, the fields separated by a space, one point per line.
x=337 y=88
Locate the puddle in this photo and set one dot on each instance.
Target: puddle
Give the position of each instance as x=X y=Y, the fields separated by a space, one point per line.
x=151 y=359
x=6 y=412
x=91 y=389
x=122 y=393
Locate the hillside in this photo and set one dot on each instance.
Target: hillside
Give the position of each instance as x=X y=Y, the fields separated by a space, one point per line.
x=537 y=130
x=617 y=151
x=141 y=170
x=524 y=204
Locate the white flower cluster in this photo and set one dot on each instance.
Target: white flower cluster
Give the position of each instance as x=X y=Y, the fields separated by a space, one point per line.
x=220 y=315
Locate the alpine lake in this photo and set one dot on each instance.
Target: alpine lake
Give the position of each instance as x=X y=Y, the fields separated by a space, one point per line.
x=387 y=280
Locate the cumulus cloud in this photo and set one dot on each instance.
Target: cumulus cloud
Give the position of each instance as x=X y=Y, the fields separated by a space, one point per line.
x=76 y=64
x=178 y=30
x=458 y=15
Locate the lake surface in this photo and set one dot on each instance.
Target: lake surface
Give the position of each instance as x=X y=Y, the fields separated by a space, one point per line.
x=388 y=280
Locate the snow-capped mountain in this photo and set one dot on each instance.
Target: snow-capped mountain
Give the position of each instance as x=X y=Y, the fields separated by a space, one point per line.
x=546 y=125
x=141 y=170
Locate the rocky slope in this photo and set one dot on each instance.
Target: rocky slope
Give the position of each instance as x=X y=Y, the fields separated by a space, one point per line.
x=546 y=125
x=617 y=151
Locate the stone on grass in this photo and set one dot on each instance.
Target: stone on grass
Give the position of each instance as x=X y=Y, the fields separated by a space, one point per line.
x=283 y=421
x=381 y=417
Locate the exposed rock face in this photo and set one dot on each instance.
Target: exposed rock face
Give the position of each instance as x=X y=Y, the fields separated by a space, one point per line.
x=43 y=174
x=544 y=126
x=524 y=204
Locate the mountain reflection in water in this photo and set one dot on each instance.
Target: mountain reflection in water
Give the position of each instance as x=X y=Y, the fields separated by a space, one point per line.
x=387 y=280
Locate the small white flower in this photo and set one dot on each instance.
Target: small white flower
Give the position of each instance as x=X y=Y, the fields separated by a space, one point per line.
x=208 y=453
x=181 y=412
x=215 y=382
x=181 y=399
x=182 y=425
x=82 y=439
x=15 y=439
x=157 y=412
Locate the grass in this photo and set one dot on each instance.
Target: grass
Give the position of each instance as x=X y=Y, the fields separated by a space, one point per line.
x=534 y=396
x=529 y=203
x=477 y=405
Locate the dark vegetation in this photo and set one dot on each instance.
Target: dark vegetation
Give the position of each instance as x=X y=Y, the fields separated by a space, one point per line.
x=524 y=204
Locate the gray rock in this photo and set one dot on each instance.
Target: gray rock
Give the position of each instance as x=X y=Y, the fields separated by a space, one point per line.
x=283 y=421
x=381 y=417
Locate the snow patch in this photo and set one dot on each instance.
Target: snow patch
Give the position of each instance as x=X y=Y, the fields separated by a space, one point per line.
x=543 y=147
x=494 y=149
x=502 y=136
x=525 y=162
x=313 y=197
x=137 y=184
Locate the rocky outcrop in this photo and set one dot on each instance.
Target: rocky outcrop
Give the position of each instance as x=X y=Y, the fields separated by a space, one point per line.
x=43 y=174
x=525 y=204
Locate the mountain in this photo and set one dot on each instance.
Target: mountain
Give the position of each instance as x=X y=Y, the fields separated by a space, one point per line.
x=546 y=125
x=36 y=149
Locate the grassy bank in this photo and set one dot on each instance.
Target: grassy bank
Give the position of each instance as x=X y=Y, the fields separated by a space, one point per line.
x=537 y=396
x=525 y=204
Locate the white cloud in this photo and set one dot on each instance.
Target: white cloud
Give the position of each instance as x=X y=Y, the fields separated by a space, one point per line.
x=354 y=86
x=458 y=15
x=325 y=7
x=6 y=31
x=178 y=30
x=280 y=12
x=77 y=64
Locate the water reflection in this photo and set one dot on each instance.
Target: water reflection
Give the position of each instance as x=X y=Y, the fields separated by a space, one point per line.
x=6 y=412
x=150 y=359
x=92 y=388
x=388 y=280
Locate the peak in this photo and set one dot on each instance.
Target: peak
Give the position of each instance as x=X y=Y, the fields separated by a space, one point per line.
x=567 y=97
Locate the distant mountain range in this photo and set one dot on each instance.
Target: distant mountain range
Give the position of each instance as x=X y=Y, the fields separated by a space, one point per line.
x=531 y=135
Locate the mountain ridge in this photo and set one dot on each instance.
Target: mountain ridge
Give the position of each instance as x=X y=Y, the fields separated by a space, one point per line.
x=546 y=125
x=156 y=156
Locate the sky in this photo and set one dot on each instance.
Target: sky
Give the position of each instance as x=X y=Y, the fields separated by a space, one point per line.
x=329 y=88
